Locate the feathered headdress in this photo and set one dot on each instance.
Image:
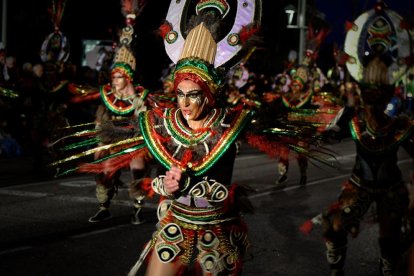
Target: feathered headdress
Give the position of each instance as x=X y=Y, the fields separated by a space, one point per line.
x=124 y=60
x=199 y=52
x=55 y=47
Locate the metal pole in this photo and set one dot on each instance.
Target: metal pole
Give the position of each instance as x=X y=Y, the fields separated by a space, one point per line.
x=302 y=27
x=4 y=23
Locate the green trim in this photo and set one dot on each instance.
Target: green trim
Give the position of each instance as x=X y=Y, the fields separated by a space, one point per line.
x=125 y=68
x=208 y=161
x=111 y=106
x=358 y=138
x=209 y=69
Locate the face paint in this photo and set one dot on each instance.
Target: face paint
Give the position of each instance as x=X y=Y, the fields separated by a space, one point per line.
x=191 y=100
x=193 y=96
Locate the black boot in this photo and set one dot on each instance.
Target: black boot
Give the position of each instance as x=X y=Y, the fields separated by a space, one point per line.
x=303 y=167
x=137 y=216
x=282 y=168
x=102 y=214
x=336 y=258
x=104 y=194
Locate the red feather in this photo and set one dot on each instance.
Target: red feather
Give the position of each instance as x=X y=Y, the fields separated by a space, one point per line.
x=162 y=139
x=247 y=32
x=110 y=166
x=187 y=156
x=159 y=112
x=273 y=149
x=306 y=227
x=164 y=29
x=344 y=57
x=147 y=187
x=348 y=25
x=85 y=98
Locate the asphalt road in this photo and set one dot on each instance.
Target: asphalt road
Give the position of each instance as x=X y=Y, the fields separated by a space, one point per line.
x=44 y=227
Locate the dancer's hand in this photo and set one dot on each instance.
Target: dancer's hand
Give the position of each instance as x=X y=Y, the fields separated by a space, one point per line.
x=172 y=180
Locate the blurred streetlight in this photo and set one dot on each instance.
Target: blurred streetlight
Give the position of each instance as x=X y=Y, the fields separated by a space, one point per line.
x=290 y=11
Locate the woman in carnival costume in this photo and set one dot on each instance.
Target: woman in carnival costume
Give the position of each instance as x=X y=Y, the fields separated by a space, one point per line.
x=200 y=229
x=120 y=100
x=294 y=102
x=376 y=177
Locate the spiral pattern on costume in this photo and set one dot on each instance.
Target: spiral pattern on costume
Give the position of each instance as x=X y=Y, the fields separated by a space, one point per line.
x=199 y=190
x=218 y=192
x=208 y=262
x=163 y=207
x=212 y=190
x=166 y=252
x=209 y=240
x=158 y=185
x=229 y=262
x=171 y=233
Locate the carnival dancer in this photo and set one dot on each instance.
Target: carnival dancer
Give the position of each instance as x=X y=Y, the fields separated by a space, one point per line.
x=121 y=100
x=376 y=177
x=298 y=97
x=296 y=102
x=200 y=229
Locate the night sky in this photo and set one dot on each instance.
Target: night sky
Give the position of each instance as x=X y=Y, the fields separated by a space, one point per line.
x=29 y=24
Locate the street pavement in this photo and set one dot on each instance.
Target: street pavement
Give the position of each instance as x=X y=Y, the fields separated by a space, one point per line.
x=44 y=227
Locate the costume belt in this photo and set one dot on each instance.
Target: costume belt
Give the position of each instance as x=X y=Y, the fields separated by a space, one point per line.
x=197 y=218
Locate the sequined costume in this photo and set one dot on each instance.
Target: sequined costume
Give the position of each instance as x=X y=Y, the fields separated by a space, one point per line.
x=295 y=105
x=203 y=222
x=120 y=101
x=294 y=102
x=117 y=107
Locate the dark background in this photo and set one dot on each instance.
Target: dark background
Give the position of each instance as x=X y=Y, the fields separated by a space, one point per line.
x=29 y=24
